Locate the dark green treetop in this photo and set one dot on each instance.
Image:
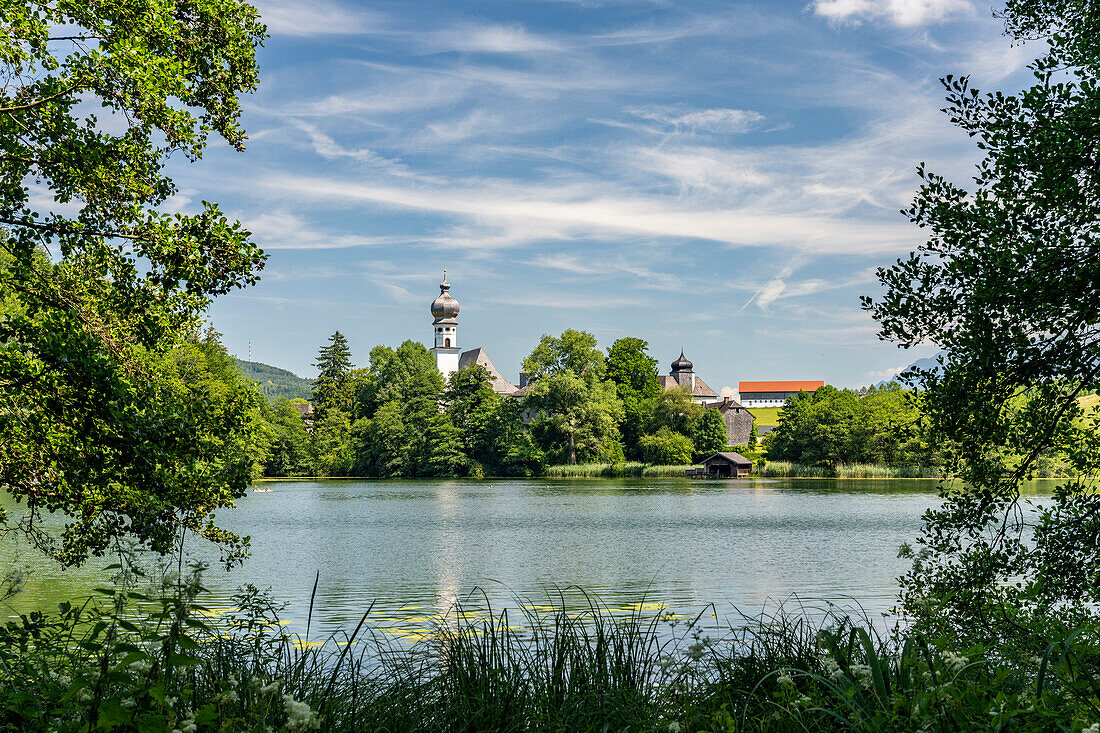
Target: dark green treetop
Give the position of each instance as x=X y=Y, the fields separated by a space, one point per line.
x=631 y=368
x=333 y=386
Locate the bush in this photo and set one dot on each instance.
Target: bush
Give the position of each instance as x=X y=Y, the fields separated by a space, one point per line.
x=666 y=448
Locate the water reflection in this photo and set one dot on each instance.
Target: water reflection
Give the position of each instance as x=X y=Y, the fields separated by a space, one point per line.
x=417 y=547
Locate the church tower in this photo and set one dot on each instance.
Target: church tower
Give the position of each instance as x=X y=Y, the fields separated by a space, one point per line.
x=445 y=326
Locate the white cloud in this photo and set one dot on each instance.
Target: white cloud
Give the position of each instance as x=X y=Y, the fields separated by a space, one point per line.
x=898 y=12
x=588 y=211
x=719 y=120
x=315 y=18
x=283 y=230
x=505 y=39
x=730 y=392
x=886 y=373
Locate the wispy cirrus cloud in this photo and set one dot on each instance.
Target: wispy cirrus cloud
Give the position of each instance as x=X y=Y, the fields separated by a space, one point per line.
x=720 y=120
x=304 y=18
x=898 y=12
x=571 y=212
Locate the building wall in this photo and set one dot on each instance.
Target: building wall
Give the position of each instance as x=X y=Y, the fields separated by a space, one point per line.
x=738 y=426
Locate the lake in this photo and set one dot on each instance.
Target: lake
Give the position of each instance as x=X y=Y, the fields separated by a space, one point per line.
x=415 y=547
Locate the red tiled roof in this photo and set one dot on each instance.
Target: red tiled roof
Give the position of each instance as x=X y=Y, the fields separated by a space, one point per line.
x=789 y=386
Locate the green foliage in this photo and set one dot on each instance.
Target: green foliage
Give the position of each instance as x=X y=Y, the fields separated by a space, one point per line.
x=672 y=409
x=275 y=383
x=473 y=407
x=709 y=433
x=574 y=351
x=576 y=416
x=144 y=656
x=331 y=444
x=99 y=419
x=333 y=388
x=634 y=373
x=290 y=451
x=830 y=426
x=1005 y=284
x=631 y=368
x=666 y=448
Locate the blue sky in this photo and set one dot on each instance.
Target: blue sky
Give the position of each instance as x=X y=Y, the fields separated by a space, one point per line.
x=713 y=176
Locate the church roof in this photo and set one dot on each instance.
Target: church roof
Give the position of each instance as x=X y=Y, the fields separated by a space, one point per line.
x=702 y=389
x=445 y=306
x=682 y=364
x=497 y=381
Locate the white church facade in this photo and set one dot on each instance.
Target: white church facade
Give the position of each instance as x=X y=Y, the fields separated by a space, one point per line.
x=449 y=358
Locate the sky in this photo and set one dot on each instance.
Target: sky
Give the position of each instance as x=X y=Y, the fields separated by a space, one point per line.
x=722 y=178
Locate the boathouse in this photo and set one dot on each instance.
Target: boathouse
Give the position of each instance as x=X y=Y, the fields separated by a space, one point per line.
x=727 y=465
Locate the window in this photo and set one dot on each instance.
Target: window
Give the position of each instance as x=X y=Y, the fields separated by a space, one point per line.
x=446 y=343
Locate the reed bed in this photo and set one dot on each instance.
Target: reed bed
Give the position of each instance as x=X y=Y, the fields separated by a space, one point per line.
x=630 y=469
x=785 y=469
x=132 y=661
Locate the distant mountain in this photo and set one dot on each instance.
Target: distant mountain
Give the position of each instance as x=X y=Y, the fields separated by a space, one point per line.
x=927 y=364
x=275 y=382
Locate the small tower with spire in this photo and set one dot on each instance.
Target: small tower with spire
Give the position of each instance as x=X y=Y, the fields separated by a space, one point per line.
x=445 y=327
x=683 y=372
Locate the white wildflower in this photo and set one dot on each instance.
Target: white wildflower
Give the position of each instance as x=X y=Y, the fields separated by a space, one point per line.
x=832 y=668
x=803 y=700
x=862 y=673
x=784 y=679
x=674 y=727
x=129 y=703
x=270 y=687
x=299 y=716
x=956 y=662
x=1094 y=728
x=229 y=696
x=188 y=725
x=141 y=666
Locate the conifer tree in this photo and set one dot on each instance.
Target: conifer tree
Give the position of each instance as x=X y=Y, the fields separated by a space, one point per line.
x=333 y=386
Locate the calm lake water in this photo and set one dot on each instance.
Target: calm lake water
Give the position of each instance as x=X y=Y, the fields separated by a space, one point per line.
x=415 y=547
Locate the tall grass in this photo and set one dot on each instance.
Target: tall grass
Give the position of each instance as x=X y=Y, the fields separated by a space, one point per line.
x=144 y=661
x=630 y=469
x=785 y=469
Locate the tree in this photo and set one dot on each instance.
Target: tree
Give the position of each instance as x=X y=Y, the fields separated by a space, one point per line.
x=290 y=451
x=574 y=415
x=472 y=406
x=666 y=448
x=94 y=420
x=516 y=453
x=573 y=351
x=333 y=454
x=632 y=369
x=634 y=373
x=333 y=387
x=1006 y=285
x=672 y=408
x=709 y=432
x=381 y=450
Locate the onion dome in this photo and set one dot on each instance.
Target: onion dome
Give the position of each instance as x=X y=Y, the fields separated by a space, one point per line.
x=444 y=306
x=682 y=364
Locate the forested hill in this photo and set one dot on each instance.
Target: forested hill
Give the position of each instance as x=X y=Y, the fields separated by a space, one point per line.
x=275 y=382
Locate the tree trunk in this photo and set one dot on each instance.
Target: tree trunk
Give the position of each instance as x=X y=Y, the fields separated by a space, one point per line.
x=572 y=451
